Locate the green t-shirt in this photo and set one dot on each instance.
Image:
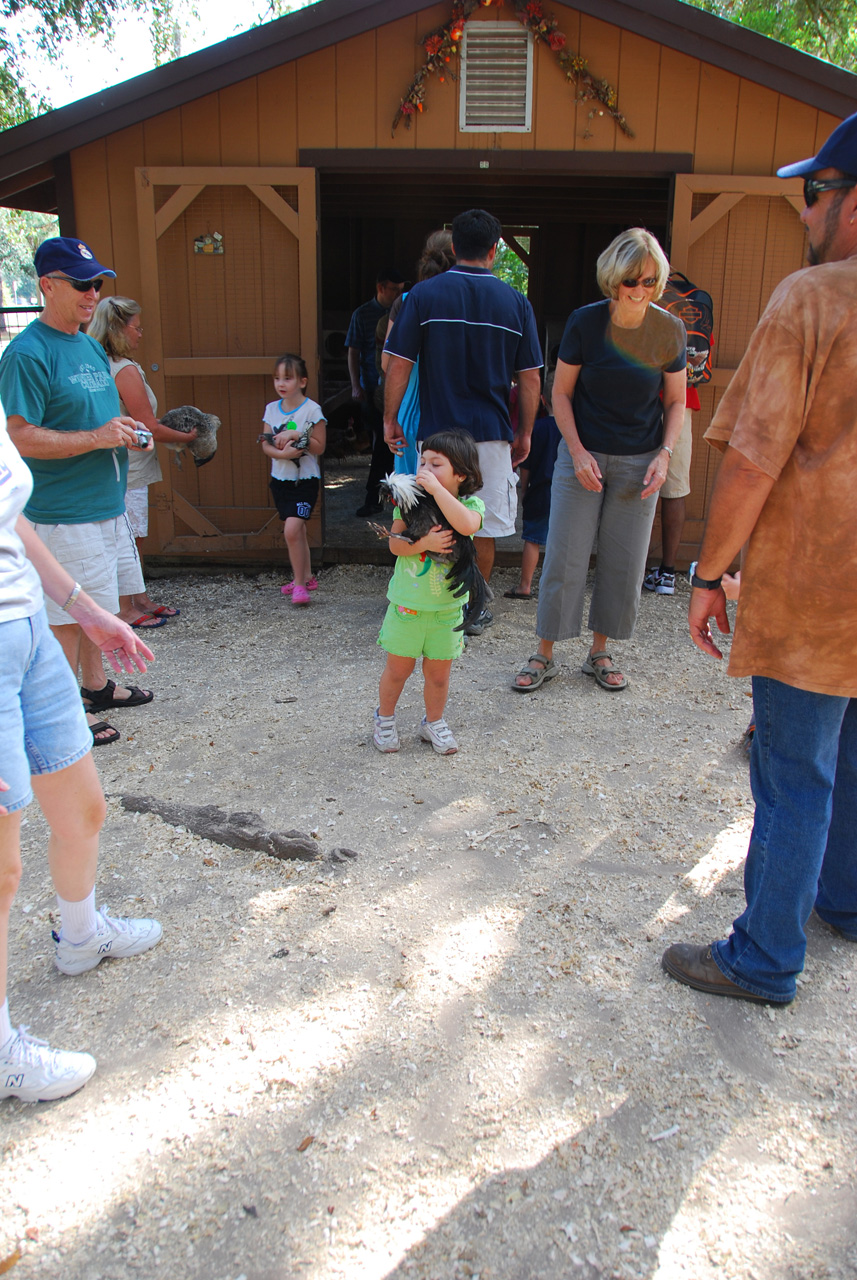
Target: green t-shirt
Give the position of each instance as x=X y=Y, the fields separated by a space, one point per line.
x=418 y=582
x=62 y=381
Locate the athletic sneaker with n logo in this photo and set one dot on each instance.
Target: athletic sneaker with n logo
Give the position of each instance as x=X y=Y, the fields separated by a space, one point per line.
x=114 y=937
x=34 y=1072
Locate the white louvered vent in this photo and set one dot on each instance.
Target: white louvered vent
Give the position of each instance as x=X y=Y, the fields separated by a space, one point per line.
x=496 y=78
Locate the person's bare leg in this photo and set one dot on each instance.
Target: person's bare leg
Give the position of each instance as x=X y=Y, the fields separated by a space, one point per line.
x=485 y=556
x=133 y=607
x=298 y=547
x=92 y=670
x=545 y=649
x=69 y=641
x=10 y=878
x=672 y=524
x=393 y=681
x=74 y=807
x=436 y=673
x=599 y=644
x=529 y=563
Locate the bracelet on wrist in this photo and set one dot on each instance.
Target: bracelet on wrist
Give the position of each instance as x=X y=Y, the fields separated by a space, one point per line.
x=667 y=449
x=704 y=584
x=75 y=592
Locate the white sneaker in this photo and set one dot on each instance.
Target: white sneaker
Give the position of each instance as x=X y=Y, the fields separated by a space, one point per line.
x=385 y=735
x=440 y=736
x=34 y=1072
x=113 y=937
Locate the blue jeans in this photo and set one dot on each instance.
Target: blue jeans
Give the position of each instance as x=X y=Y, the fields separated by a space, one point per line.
x=803 y=849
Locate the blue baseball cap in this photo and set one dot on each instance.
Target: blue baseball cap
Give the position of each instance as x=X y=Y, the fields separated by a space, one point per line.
x=838 y=152
x=70 y=256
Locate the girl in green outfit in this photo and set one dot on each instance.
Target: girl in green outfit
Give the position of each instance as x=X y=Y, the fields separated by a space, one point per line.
x=423 y=613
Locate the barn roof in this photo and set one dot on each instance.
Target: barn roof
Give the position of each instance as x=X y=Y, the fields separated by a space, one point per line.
x=28 y=151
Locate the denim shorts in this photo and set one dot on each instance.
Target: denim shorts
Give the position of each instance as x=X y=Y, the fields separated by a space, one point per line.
x=423 y=633
x=42 y=724
x=535 y=530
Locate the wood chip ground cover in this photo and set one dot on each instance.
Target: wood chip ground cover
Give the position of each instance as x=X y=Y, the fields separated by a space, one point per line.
x=472 y=1066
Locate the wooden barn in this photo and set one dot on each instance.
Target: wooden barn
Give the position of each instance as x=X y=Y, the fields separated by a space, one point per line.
x=281 y=142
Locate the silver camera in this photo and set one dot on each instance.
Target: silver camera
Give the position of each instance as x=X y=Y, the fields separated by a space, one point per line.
x=143 y=437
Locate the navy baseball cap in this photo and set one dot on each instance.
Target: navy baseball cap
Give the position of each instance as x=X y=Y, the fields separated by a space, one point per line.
x=838 y=152
x=70 y=256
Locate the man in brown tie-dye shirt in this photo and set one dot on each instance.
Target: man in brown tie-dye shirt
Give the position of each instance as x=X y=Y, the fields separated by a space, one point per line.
x=787 y=488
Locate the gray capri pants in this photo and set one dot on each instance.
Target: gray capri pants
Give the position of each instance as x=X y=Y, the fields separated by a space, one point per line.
x=622 y=523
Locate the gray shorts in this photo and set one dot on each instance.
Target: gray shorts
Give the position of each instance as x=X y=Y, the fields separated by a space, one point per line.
x=499 y=489
x=137 y=511
x=102 y=557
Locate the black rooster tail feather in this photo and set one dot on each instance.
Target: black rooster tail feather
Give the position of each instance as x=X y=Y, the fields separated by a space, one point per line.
x=479 y=590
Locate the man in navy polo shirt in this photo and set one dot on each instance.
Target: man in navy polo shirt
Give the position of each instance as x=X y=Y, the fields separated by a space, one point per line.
x=471 y=333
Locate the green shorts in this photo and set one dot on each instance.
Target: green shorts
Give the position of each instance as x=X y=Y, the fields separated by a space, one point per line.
x=427 y=633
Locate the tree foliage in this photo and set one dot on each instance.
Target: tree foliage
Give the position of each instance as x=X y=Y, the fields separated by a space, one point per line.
x=825 y=28
x=509 y=267
x=44 y=27
x=21 y=232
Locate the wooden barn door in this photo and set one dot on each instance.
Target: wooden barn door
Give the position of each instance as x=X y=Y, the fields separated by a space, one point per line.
x=228 y=259
x=737 y=237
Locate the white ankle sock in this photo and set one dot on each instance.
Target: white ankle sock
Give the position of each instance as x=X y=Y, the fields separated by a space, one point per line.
x=78 y=918
x=6 y=1031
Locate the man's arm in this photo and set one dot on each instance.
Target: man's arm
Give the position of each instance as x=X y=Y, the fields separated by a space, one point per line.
x=740 y=492
x=354 y=372
x=395 y=386
x=529 y=390
x=41 y=442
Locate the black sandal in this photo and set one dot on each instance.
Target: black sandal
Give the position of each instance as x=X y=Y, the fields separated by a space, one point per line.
x=99 y=727
x=103 y=699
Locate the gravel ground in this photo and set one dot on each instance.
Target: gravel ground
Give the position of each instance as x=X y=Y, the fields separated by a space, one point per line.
x=455 y=1056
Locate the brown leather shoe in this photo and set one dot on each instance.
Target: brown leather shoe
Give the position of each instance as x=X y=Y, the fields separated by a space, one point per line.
x=696 y=967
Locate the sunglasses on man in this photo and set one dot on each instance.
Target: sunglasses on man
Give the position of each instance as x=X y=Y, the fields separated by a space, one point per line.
x=82 y=286
x=813 y=187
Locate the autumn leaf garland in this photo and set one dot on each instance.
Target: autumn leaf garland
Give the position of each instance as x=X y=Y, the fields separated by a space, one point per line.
x=442 y=45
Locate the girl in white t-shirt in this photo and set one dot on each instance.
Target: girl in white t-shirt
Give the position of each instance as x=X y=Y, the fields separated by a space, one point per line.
x=294 y=439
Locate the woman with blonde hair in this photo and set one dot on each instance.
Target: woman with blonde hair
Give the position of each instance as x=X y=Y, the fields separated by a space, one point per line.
x=117 y=327
x=618 y=400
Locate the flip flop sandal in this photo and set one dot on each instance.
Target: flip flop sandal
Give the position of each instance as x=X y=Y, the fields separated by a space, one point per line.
x=164 y=611
x=103 y=699
x=517 y=595
x=148 y=622
x=590 y=669
x=99 y=727
x=548 y=670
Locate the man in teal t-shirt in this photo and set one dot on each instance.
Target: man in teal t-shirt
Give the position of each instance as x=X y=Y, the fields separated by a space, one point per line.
x=64 y=418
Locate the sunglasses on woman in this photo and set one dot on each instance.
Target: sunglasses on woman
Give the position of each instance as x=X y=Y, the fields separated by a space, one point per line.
x=82 y=286
x=813 y=187
x=648 y=283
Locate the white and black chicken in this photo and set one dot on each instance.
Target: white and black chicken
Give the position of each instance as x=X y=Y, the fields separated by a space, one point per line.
x=420 y=513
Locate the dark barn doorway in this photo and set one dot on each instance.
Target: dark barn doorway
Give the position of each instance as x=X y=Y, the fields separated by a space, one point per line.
x=371 y=220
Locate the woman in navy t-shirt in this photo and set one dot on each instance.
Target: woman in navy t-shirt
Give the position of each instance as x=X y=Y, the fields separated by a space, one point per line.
x=615 y=359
